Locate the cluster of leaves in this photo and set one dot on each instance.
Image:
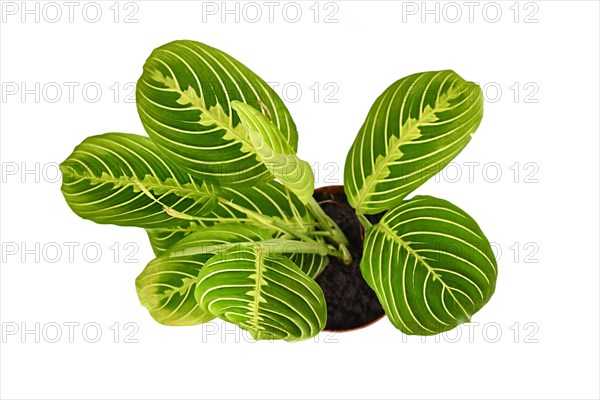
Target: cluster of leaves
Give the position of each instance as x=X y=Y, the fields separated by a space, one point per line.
x=228 y=205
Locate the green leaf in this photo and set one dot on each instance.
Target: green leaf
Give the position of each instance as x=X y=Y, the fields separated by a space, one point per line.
x=260 y=129
x=270 y=199
x=275 y=153
x=266 y=198
x=166 y=286
x=163 y=238
x=267 y=295
x=413 y=130
x=184 y=101
x=121 y=179
x=311 y=264
x=430 y=265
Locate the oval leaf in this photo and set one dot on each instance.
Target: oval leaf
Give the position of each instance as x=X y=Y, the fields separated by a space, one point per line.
x=166 y=286
x=267 y=295
x=184 y=101
x=119 y=178
x=430 y=265
x=413 y=130
x=275 y=153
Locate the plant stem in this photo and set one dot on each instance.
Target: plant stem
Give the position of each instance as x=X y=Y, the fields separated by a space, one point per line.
x=275 y=246
x=320 y=233
x=331 y=230
x=267 y=221
x=327 y=224
x=335 y=234
x=364 y=221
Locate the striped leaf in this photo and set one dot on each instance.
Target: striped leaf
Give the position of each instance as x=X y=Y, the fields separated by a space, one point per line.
x=266 y=198
x=184 y=101
x=311 y=264
x=430 y=265
x=121 y=179
x=275 y=153
x=163 y=238
x=413 y=130
x=166 y=287
x=265 y=294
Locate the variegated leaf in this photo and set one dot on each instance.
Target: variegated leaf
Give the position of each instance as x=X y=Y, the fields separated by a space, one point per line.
x=121 y=179
x=275 y=153
x=266 y=198
x=413 y=130
x=184 y=101
x=430 y=265
x=265 y=294
x=166 y=286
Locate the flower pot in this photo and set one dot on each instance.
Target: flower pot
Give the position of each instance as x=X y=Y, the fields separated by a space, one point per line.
x=351 y=304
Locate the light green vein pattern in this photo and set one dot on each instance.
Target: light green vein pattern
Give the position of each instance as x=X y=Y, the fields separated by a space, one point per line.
x=275 y=153
x=267 y=198
x=166 y=286
x=266 y=295
x=413 y=130
x=184 y=101
x=430 y=265
x=104 y=176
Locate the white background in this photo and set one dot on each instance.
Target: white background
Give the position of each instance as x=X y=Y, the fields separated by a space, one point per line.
x=538 y=336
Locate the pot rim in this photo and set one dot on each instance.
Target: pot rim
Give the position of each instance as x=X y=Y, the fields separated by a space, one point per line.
x=334 y=189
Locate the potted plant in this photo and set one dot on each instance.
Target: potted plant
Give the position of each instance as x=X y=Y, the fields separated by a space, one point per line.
x=230 y=213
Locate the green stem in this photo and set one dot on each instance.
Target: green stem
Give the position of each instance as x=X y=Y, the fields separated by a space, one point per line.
x=275 y=246
x=327 y=224
x=336 y=234
x=331 y=230
x=267 y=221
x=319 y=233
x=364 y=221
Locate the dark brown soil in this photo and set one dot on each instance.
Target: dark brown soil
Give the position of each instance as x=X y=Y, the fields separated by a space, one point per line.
x=350 y=301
